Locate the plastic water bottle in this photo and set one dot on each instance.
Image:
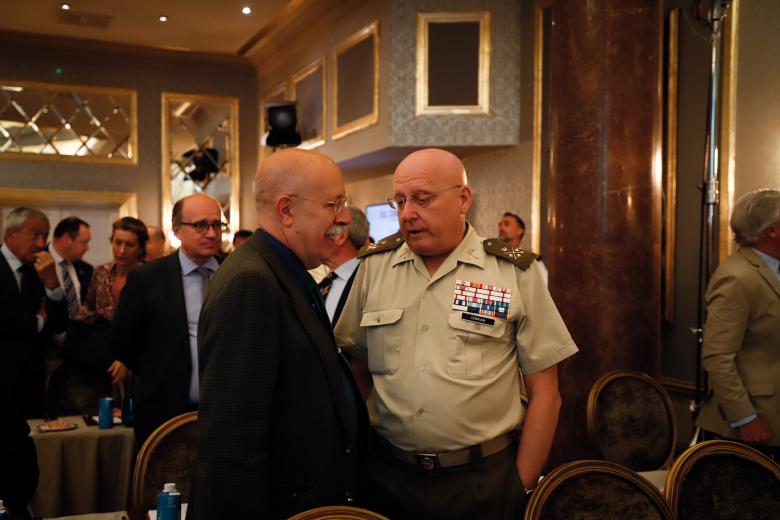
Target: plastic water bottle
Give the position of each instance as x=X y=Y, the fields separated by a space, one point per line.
x=3 y=511
x=169 y=503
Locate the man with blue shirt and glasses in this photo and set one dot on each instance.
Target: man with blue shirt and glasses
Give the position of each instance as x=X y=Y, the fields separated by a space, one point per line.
x=281 y=421
x=155 y=328
x=741 y=350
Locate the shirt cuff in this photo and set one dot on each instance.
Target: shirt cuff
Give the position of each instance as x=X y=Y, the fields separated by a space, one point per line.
x=55 y=294
x=743 y=421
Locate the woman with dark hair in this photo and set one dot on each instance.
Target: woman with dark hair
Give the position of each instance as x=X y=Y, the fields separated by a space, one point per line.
x=128 y=244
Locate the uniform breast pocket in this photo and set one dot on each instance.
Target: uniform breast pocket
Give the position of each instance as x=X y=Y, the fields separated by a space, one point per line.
x=473 y=347
x=383 y=335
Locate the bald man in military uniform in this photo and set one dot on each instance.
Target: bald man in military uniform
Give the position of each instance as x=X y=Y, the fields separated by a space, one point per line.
x=447 y=323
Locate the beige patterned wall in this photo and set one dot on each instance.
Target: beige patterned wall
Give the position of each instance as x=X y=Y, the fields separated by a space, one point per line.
x=502 y=127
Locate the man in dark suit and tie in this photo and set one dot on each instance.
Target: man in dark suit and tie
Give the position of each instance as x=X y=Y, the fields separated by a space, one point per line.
x=281 y=422
x=70 y=243
x=154 y=332
x=32 y=307
x=343 y=244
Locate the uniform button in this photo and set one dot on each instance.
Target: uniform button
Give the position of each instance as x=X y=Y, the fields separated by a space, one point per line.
x=348 y=449
x=422 y=369
x=424 y=328
x=419 y=411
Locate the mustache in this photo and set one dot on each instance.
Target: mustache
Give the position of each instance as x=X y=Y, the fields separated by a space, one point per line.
x=335 y=231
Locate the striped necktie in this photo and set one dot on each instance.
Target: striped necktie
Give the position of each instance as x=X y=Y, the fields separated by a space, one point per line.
x=325 y=284
x=70 y=291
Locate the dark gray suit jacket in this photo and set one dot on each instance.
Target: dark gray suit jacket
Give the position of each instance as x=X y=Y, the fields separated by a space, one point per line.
x=273 y=435
x=149 y=335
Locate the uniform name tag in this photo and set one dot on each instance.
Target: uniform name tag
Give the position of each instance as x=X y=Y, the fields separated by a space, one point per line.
x=481 y=299
x=478 y=319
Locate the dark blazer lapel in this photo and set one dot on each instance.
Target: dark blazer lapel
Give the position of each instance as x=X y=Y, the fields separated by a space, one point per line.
x=312 y=323
x=174 y=290
x=762 y=268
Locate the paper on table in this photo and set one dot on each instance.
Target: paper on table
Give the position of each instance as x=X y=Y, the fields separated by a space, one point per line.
x=117 y=420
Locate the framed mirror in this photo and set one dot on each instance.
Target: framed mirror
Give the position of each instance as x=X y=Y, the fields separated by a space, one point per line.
x=453 y=63
x=200 y=151
x=307 y=89
x=68 y=123
x=356 y=82
x=276 y=95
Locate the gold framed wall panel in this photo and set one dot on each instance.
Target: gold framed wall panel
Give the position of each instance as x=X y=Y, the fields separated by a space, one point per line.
x=132 y=97
x=728 y=128
x=125 y=202
x=422 y=107
x=277 y=93
x=343 y=129
x=235 y=173
x=670 y=213
x=298 y=77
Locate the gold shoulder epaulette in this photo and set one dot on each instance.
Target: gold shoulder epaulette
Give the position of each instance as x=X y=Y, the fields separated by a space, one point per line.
x=386 y=244
x=520 y=257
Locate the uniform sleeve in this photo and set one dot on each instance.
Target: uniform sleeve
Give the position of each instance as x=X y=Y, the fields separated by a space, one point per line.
x=542 y=338
x=728 y=312
x=350 y=336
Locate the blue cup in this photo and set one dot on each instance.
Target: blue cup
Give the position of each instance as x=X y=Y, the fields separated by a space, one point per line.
x=128 y=412
x=106 y=413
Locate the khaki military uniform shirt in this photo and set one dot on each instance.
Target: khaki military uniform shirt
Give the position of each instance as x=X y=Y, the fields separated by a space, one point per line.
x=446 y=378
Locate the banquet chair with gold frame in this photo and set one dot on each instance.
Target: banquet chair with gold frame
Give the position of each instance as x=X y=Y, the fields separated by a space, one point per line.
x=723 y=480
x=588 y=489
x=338 y=513
x=631 y=420
x=168 y=455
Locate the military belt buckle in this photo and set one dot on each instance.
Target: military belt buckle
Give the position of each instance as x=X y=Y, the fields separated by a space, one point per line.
x=427 y=461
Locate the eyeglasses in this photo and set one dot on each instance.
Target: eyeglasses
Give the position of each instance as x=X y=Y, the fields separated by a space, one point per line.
x=202 y=226
x=336 y=205
x=421 y=199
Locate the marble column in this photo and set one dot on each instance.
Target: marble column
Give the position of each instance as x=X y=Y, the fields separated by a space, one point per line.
x=604 y=219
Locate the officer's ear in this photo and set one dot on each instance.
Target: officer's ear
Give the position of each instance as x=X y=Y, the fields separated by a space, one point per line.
x=466 y=199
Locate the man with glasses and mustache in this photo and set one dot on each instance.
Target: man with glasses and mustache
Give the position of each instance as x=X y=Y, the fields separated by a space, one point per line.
x=155 y=327
x=448 y=323
x=281 y=421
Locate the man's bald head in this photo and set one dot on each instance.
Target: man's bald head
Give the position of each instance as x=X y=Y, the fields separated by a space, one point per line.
x=287 y=171
x=433 y=163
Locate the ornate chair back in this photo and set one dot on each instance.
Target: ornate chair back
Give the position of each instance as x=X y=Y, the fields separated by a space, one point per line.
x=587 y=489
x=338 y=513
x=723 y=480
x=168 y=455
x=75 y=390
x=631 y=421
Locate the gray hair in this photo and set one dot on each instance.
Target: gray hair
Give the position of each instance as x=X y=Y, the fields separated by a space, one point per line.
x=358 y=228
x=753 y=213
x=17 y=217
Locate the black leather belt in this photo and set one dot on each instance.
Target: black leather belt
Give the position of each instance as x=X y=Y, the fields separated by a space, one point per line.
x=449 y=459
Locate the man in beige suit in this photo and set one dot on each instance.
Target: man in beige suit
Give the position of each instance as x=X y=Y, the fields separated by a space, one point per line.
x=741 y=351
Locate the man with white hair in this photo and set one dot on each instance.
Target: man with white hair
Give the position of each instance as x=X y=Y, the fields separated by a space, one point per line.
x=741 y=350
x=32 y=308
x=281 y=419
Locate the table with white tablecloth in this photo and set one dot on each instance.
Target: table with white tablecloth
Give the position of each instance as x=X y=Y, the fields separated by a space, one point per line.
x=84 y=470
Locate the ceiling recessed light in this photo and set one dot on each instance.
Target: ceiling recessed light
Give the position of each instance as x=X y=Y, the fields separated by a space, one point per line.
x=163 y=18
x=246 y=9
x=65 y=7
